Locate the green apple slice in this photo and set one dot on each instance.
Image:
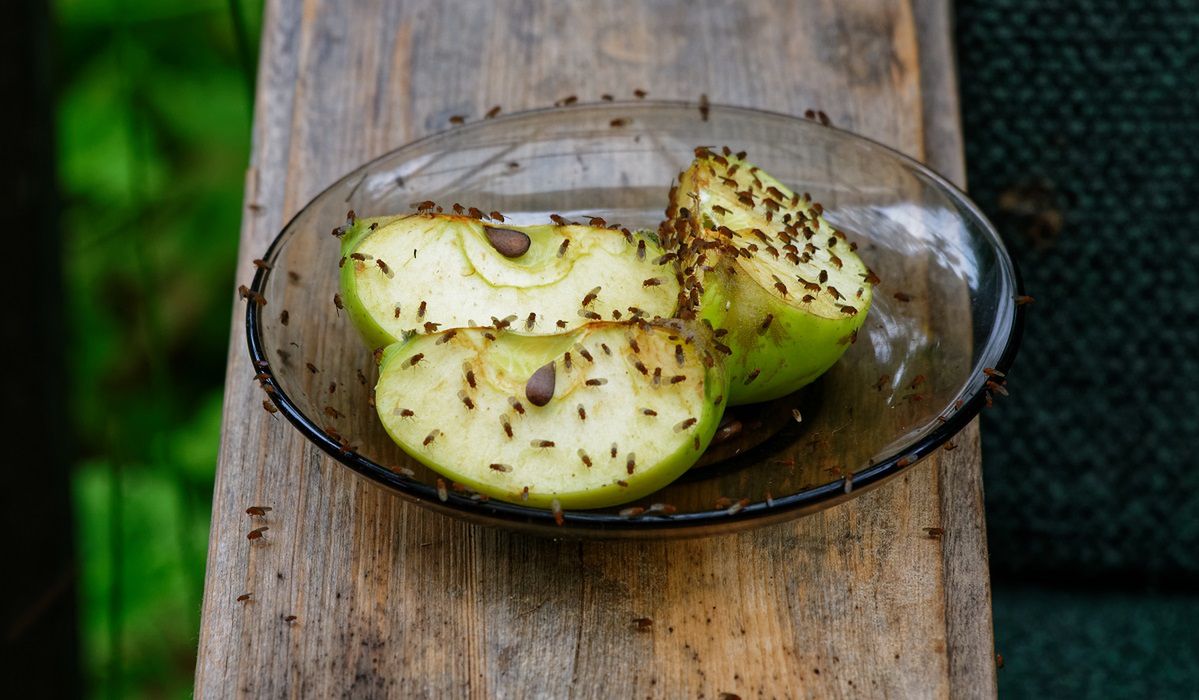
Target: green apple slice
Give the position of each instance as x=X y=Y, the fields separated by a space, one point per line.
x=604 y=414
x=761 y=263
x=426 y=272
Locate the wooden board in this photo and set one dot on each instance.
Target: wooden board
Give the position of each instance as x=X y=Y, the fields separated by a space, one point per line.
x=391 y=600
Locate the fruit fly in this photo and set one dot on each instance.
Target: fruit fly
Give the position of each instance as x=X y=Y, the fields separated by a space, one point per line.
x=247 y=293
x=685 y=424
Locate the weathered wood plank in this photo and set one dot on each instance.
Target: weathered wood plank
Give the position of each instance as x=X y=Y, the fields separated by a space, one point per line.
x=393 y=600
x=971 y=645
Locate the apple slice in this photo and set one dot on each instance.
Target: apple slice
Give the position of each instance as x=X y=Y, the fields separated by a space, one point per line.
x=423 y=272
x=784 y=289
x=604 y=414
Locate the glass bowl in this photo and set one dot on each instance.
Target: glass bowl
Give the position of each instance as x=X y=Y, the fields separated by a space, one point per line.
x=945 y=311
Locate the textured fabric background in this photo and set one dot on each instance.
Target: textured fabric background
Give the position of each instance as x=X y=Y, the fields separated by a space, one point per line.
x=1082 y=143
x=1081 y=644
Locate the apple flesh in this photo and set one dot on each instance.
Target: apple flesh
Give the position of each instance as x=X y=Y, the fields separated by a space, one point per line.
x=421 y=273
x=602 y=415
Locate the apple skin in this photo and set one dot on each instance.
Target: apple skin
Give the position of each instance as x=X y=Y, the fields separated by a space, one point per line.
x=372 y=333
x=794 y=350
x=472 y=438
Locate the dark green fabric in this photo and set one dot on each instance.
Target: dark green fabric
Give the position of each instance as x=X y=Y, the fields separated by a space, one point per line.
x=1081 y=124
x=1065 y=644
x=1087 y=114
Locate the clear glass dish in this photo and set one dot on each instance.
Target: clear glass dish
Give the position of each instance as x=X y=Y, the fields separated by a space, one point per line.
x=946 y=308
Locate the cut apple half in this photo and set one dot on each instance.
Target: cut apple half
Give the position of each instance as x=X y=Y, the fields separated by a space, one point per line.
x=421 y=273
x=598 y=416
x=785 y=290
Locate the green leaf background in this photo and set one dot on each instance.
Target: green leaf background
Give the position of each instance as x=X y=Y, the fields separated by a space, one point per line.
x=154 y=109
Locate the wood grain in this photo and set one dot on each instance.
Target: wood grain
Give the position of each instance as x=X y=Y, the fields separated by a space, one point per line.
x=391 y=600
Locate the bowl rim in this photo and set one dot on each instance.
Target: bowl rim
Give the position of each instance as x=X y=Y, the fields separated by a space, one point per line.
x=501 y=513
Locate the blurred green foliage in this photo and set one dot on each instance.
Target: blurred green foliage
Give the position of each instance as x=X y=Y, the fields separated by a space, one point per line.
x=154 y=108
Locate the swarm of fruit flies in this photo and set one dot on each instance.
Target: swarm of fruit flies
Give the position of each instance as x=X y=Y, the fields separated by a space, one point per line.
x=666 y=299
x=654 y=348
